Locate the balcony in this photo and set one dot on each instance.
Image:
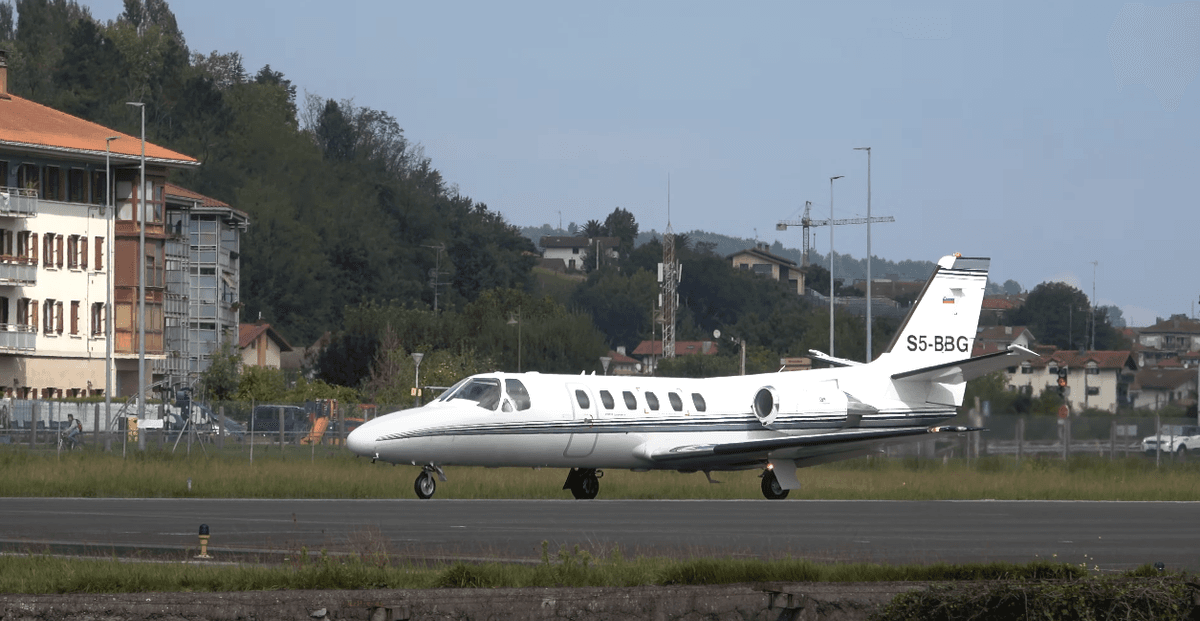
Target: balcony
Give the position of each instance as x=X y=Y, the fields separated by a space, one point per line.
x=17 y=202
x=16 y=271
x=15 y=337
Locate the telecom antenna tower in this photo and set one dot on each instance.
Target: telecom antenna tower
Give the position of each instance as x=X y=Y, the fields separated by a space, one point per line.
x=668 y=278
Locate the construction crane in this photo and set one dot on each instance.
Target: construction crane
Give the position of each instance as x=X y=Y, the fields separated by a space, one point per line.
x=807 y=222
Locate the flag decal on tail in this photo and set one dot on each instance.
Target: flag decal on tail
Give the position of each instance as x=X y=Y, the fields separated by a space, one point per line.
x=948 y=300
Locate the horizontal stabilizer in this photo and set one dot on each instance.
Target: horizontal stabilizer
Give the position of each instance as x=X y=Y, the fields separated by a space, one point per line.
x=837 y=362
x=969 y=368
x=766 y=445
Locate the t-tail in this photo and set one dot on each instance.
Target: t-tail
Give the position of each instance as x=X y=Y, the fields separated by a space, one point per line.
x=933 y=346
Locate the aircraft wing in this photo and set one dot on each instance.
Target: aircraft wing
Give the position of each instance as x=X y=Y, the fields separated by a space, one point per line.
x=970 y=368
x=738 y=451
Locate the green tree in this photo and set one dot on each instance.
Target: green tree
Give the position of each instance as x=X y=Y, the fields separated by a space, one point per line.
x=220 y=380
x=1059 y=314
x=621 y=224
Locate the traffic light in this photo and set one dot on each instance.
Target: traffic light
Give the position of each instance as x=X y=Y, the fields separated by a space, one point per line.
x=1062 y=382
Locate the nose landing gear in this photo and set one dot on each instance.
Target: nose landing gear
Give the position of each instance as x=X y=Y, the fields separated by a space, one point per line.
x=584 y=483
x=425 y=484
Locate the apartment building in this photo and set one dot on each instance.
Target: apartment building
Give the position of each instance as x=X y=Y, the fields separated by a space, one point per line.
x=63 y=253
x=203 y=288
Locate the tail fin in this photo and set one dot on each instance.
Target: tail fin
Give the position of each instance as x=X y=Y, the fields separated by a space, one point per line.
x=942 y=324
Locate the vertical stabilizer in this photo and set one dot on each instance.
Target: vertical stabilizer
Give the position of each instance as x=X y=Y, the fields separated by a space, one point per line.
x=942 y=324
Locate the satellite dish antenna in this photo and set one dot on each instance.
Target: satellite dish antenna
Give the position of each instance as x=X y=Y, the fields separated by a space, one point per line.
x=716 y=334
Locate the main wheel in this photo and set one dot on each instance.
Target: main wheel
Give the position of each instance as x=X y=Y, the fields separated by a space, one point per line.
x=1181 y=454
x=771 y=487
x=425 y=486
x=586 y=487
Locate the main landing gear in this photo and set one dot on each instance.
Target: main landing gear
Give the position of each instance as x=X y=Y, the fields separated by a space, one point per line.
x=425 y=484
x=584 y=483
x=771 y=487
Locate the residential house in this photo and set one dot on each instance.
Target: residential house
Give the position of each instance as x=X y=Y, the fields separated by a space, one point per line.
x=1168 y=338
x=261 y=345
x=761 y=260
x=56 y=240
x=1156 y=388
x=621 y=364
x=1098 y=380
x=575 y=251
x=203 y=282
x=989 y=339
x=650 y=352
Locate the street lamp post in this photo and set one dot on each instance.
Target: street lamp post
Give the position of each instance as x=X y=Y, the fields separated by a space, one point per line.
x=516 y=320
x=417 y=356
x=870 y=352
x=108 y=219
x=831 y=281
x=141 y=278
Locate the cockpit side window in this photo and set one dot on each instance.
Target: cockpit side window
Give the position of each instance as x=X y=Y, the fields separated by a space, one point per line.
x=518 y=393
x=607 y=399
x=698 y=400
x=652 y=400
x=630 y=400
x=449 y=394
x=483 y=390
x=676 y=402
x=583 y=400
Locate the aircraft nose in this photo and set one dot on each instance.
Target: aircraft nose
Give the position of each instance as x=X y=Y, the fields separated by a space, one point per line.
x=361 y=442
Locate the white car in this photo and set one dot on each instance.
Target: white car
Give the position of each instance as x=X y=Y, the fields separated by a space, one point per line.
x=1176 y=439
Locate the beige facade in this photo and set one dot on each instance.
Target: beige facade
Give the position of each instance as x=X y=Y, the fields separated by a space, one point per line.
x=1097 y=380
x=760 y=261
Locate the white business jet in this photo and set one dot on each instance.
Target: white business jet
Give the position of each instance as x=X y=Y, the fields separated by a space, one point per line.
x=776 y=421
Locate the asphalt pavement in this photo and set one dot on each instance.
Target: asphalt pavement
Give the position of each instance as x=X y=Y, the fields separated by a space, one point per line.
x=1108 y=535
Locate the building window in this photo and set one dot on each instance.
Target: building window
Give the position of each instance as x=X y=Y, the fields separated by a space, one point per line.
x=1026 y=369
x=3 y=173
x=98 y=328
x=29 y=177
x=4 y=310
x=77 y=186
x=99 y=185
x=27 y=312
x=1093 y=390
x=73 y=252
x=53 y=183
x=1093 y=371
x=74 y=317
x=52 y=250
x=52 y=317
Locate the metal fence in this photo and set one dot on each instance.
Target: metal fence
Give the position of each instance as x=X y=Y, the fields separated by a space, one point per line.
x=229 y=426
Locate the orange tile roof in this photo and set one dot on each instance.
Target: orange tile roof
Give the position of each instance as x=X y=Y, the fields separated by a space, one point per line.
x=248 y=332
x=181 y=192
x=682 y=348
x=25 y=123
x=1075 y=359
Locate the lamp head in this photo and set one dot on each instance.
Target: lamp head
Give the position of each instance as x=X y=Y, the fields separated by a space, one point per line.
x=862 y=148
x=837 y=177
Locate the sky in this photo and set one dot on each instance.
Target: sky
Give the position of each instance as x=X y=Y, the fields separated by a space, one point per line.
x=1046 y=136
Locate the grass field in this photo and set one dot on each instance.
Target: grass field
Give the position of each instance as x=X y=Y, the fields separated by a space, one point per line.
x=332 y=473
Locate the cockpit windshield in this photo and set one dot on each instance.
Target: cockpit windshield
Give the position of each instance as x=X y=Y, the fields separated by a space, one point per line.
x=483 y=390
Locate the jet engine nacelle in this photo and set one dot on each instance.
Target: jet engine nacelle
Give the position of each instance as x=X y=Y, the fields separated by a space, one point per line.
x=800 y=406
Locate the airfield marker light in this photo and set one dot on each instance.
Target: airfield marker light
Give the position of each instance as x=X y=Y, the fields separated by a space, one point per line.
x=1160 y=567
x=204 y=541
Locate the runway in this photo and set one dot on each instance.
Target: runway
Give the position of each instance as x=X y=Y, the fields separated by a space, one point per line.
x=1108 y=535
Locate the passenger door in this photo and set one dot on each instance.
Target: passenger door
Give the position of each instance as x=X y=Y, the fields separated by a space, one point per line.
x=583 y=409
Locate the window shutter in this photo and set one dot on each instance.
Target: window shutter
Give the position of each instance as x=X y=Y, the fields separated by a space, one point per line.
x=83 y=257
x=58 y=309
x=33 y=314
x=59 y=257
x=47 y=254
x=99 y=253
x=33 y=247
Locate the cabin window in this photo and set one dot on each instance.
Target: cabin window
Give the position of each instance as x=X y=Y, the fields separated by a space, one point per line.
x=485 y=391
x=607 y=399
x=652 y=400
x=630 y=400
x=518 y=393
x=698 y=401
x=582 y=398
x=676 y=402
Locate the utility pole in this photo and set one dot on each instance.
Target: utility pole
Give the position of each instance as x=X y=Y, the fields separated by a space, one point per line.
x=870 y=352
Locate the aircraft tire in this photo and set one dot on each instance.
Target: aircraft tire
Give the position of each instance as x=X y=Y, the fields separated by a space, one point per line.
x=771 y=488
x=1182 y=453
x=425 y=486
x=586 y=487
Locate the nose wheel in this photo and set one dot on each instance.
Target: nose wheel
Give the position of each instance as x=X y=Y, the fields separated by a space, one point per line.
x=584 y=483
x=771 y=487
x=425 y=484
